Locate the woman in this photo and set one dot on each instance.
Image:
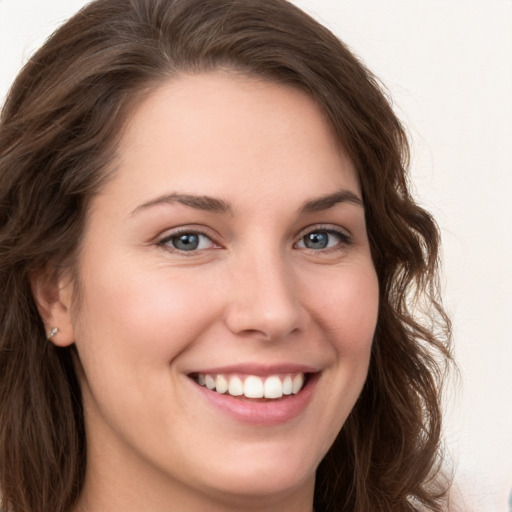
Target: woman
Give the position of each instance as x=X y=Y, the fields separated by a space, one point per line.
x=209 y=257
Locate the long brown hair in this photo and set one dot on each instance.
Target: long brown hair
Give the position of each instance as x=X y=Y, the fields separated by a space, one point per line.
x=58 y=134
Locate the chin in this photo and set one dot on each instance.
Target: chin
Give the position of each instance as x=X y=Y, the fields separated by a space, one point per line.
x=270 y=486
x=264 y=473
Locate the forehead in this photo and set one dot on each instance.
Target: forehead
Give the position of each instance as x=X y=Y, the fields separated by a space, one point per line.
x=210 y=130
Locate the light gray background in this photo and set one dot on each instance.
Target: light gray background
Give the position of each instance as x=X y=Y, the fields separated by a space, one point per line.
x=448 y=66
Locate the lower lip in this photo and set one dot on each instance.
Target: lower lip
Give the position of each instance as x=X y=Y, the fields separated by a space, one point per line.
x=264 y=413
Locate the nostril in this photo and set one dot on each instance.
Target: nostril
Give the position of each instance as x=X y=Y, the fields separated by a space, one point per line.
x=266 y=305
x=266 y=325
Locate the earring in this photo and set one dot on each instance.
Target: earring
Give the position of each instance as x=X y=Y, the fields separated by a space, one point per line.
x=52 y=333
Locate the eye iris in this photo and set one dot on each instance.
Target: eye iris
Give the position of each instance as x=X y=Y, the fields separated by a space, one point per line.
x=186 y=242
x=318 y=240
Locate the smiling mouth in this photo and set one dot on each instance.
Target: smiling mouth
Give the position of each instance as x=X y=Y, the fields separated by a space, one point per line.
x=272 y=387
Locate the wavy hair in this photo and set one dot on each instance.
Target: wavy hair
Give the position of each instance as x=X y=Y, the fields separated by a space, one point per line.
x=58 y=133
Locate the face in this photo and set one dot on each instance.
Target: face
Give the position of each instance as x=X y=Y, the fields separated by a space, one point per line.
x=228 y=297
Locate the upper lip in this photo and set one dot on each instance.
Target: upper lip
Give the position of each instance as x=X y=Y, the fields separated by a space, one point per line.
x=261 y=370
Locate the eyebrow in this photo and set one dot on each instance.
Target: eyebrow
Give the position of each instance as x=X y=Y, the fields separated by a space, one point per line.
x=330 y=200
x=206 y=203
x=215 y=205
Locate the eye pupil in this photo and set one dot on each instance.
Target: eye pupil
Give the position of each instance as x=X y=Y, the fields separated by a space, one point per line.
x=186 y=242
x=318 y=240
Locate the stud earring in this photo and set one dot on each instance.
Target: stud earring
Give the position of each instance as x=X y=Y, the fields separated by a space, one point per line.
x=52 y=333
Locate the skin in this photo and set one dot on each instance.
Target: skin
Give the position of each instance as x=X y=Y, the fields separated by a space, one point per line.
x=254 y=292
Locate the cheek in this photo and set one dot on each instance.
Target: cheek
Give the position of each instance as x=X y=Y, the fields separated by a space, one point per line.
x=135 y=313
x=347 y=311
x=348 y=308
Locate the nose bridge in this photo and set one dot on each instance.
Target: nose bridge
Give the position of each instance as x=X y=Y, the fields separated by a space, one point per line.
x=264 y=301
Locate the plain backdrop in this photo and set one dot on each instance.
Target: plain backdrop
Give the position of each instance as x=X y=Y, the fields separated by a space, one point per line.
x=448 y=67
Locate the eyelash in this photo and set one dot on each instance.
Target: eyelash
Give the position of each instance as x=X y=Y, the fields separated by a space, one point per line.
x=344 y=240
x=176 y=234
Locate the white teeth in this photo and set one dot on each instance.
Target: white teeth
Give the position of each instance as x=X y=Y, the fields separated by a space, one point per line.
x=273 y=387
x=236 y=386
x=221 y=384
x=253 y=386
x=287 y=385
x=209 y=381
x=298 y=382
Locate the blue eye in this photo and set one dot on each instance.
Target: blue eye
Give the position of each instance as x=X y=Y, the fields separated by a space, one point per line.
x=187 y=241
x=322 y=239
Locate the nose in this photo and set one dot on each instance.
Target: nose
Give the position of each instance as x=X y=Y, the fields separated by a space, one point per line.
x=264 y=299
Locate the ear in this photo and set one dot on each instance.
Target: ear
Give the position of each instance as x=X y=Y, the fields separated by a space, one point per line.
x=53 y=294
